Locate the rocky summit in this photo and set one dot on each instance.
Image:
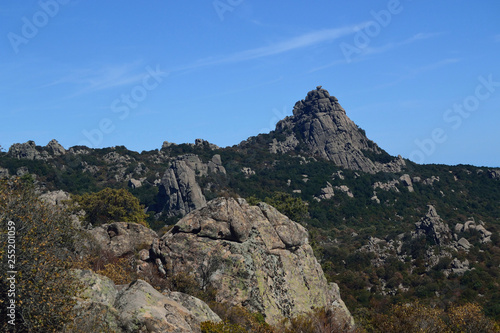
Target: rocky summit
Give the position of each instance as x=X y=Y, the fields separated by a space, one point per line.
x=321 y=128
x=254 y=256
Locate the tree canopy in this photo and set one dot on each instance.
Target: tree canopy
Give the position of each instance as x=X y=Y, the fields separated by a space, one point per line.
x=111 y=205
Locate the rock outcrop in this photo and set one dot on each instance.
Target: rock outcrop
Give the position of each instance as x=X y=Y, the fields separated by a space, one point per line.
x=179 y=192
x=320 y=125
x=122 y=238
x=137 y=307
x=30 y=151
x=55 y=148
x=55 y=197
x=27 y=150
x=432 y=225
x=253 y=255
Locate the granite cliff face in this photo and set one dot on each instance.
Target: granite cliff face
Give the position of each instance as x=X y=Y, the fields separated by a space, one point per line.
x=254 y=256
x=320 y=128
x=179 y=192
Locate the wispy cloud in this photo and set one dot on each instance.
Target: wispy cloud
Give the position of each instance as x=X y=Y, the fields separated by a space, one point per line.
x=389 y=46
x=377 y=50
x=419 y=70
x=91 y=79
x=295 y=43
x=497 y=38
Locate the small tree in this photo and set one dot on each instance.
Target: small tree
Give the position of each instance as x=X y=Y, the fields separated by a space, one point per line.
x=41 y=239
x=111 y=205
x=293 y=207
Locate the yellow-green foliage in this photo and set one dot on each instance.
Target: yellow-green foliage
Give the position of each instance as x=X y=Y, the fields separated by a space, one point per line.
x=43 y=241
x=111 y=205
x=470 y=318
x=317 y=321
x=239 y=319
x=222 y=327
x=416 y=317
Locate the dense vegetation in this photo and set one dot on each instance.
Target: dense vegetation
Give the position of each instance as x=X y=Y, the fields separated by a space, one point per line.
x=41 y=285
x=338 y=226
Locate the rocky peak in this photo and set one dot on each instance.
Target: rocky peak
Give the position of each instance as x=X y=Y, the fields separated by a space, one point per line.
x=320 y=127
x=318 y=100
x=55 y=148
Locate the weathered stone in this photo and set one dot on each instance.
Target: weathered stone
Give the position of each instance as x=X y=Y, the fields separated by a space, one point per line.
x=327 y=192
x=138 y=307
x=464 y=243
x=346 y=190
x=143 y=308
x=123 y=237
x=432 y=225
x=201 y=142
x=247 y=172
x=253 y=255
x=406 y=180
x=197 y=307
x=55 y=148
x=28 y=151
x=55 y=197
x=134 y=183
x=430 y=181
x=144 y=254
x=179 y=192
x=388 y=186
x=4 y=173
x=22 y=171
x=323 y=129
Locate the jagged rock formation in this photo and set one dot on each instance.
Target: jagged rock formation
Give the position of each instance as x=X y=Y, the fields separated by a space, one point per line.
x=179 y=192
x=29 y=151
x=137 y=307
x=122 y=238
x=432 y=225
x=55 y=148
x=253 y=255
x=321 y=125
x=326 y=193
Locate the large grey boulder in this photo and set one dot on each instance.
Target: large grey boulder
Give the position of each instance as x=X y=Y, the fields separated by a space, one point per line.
x=254 y=256
x=122 y=238
x=136 y=307
x=55 y=197
x=142 y=307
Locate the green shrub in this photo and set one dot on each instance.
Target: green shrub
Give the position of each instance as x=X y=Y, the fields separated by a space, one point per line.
x=110 y=205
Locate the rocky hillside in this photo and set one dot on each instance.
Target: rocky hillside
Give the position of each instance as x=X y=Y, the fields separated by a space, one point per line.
x=253 y=256
x=385 y=229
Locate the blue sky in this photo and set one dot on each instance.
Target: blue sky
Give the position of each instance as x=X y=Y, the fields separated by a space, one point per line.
x=421 y=77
